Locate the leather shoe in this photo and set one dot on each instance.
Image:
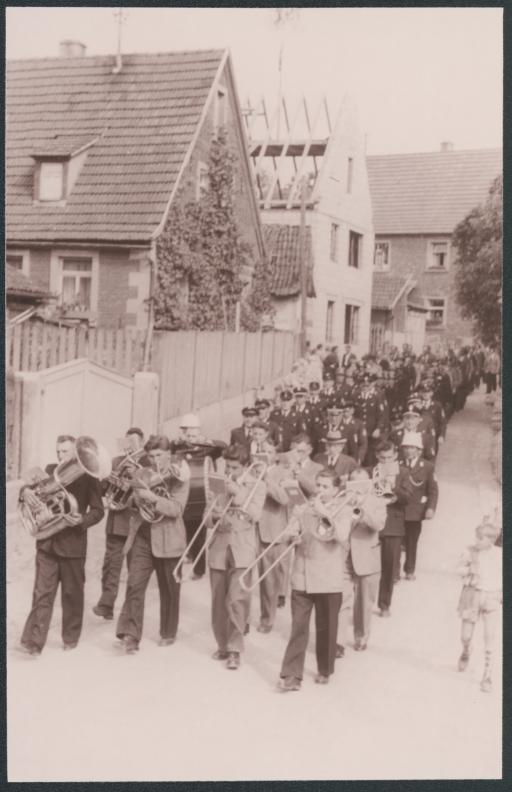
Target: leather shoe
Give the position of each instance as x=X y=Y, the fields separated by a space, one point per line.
x=360 y=646
x=220 y=655
x=29 y=649
x=281 y=601
x=166 y=641
x=290 y=683
x=247 y=629
x=385 y=612
x=233 y=661
x=463 y=660
x=340 y=651
x=410 y=576
x=486 y=684
x=320 y=679
x=130 y=645
x=68 y=646
x=104 y=614
x=264 y=628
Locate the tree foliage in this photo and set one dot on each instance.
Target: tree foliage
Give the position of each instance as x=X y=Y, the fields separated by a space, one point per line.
x=478 y=239
x=204 y=266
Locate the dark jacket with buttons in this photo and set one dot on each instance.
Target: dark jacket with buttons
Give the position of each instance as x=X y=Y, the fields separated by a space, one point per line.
x=424 y=491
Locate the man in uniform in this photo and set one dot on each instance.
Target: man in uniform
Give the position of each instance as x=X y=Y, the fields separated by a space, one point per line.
x=434 y=409
x=301 y=410
x=242 y=435
x=354 y=432
x=422 y=502
x=284 y=417
x=118 y=525
x=264 y=409
x=61 y=559
x=370 y=408
x=328 y=394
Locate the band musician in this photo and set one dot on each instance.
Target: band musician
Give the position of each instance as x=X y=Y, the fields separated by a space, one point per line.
x=232 y=549
x=155 y=545
x=61 y=559
x=321 y=535
x=118 y=525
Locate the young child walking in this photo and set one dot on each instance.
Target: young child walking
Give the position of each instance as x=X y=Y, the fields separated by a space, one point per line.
x=481 y=596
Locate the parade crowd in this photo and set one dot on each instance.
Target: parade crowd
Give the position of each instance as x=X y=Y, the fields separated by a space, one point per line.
x=316 y=503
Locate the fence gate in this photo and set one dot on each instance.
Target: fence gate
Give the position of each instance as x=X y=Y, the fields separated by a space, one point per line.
x=74 y=398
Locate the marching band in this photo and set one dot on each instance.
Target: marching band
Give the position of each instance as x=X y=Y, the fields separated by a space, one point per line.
x=314 y=499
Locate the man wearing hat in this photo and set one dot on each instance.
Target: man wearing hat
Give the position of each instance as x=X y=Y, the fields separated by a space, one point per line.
x=411 y=422
x=434 y=409
x=371 y=409
x=284 y=417
x=300 y=409
x=328 y=393
x=242 y=435
x=343 y=389
x=354 y=432
x=423 y=500
x=334 y=457
x=264 y=409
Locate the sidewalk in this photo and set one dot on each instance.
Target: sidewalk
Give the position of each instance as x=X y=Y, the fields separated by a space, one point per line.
x=400 y=710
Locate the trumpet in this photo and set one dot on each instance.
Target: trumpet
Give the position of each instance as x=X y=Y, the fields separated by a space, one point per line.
x=384 y=480
x=177 y=573
x=120 y=481
x=157 y=482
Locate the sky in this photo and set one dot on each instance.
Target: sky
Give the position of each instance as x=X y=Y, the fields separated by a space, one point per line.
x=419 y=76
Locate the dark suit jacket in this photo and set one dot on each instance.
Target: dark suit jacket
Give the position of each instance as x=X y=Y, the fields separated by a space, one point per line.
x=72 y=542
x=425 y=491
x=395 y=512
x=343 y=466
x=238 y=437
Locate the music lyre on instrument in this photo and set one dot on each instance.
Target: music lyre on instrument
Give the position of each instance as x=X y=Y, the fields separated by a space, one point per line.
x=52 y=507
x=120 y=481
x=215 y=485
x=157 y=482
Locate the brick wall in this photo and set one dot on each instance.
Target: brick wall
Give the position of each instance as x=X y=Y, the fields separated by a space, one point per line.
x=409 y=255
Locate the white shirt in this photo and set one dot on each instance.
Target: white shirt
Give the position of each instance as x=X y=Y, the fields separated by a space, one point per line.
x=490 y=569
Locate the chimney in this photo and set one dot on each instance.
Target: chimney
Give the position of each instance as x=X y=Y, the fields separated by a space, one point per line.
x=71 y=49
x=447 y=145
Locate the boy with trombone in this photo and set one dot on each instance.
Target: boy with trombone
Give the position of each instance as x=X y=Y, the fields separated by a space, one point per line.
x=319 y=531
x=232 y=548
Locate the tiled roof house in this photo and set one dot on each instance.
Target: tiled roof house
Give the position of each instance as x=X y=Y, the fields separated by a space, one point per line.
x=96 y=155
x=418 y=200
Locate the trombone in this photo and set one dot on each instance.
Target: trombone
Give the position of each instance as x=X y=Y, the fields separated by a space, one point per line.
x=177 y=573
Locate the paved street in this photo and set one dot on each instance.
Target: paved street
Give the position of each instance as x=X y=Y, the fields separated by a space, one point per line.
x=400 y=710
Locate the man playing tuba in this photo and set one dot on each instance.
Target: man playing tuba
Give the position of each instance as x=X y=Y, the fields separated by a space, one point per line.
x=60 y=558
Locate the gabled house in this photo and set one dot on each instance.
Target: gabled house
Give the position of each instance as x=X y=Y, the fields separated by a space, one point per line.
x=303 y=147
x=398 y=313
x=418 y=200
x=96 y=153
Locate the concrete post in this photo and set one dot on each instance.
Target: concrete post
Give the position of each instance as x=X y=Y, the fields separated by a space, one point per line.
x=31 y=404
x=145 y=401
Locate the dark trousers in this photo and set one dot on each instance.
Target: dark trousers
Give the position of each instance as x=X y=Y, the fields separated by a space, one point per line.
x=390 y=560
x=142 y=564
x=230 y=606
x=412 y=535
x=490 y=382
x=111 y=571
x=327 y=608
x=52 y=569
x=191 y=526
x=273 y=584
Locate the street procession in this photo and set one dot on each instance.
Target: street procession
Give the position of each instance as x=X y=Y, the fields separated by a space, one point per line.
x=316 y=503
x=254 y=377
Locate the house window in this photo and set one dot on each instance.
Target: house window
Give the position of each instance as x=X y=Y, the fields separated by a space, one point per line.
x=76 y=284
x=354 y=249
x=220 y=112
x=329 y=321
x=437 y=310
x=351 y=324
x=381 y=256
x=51 y=181
x=202 y=180
x=350 y=173
x=335 y=229
x=438 y=256
x=18 y=259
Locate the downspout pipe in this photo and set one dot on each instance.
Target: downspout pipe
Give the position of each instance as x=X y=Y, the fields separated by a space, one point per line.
x=151 y=313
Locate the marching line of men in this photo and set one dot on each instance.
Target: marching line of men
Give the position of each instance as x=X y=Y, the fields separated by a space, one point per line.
x=315 y=441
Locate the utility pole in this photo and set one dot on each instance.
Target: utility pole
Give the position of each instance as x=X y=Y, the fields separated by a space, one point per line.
x=303 y=266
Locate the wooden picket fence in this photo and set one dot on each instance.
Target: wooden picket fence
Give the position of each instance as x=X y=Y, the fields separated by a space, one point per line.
x=33 y=346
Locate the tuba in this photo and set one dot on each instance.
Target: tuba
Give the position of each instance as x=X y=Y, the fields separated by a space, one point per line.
x=120 y=481
x=51 y=507
x=384 y=480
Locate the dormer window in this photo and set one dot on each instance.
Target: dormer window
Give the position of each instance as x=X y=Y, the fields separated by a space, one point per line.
x=58 y=164
x=51 y=181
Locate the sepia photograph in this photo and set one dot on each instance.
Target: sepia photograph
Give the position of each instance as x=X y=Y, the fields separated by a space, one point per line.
x=253 y=393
